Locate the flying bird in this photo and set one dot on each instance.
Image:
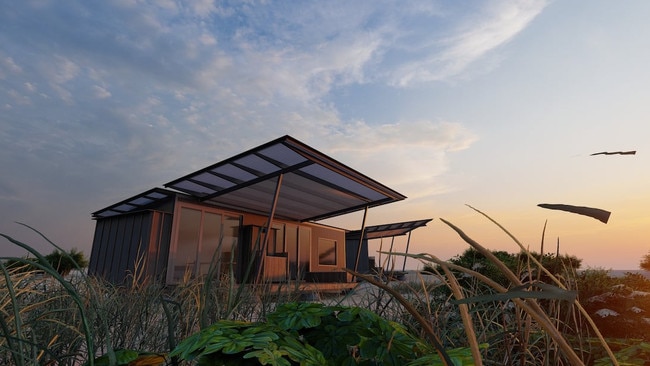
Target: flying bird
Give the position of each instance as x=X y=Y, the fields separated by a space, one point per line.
x=615 y=153
x=596 y=213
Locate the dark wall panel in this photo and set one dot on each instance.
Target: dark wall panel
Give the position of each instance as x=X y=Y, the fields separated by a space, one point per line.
x=93 y=265
x=116 y=245
x=351 y=249
x=105 y=248
x=118 y=264
x=163 y=243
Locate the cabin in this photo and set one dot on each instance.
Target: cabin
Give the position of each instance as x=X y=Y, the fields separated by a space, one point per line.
x=253 y=217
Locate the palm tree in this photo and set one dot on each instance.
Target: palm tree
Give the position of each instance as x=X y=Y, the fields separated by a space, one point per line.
x=66 y=262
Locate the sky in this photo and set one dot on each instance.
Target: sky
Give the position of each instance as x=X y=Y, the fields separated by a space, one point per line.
x=495 y=105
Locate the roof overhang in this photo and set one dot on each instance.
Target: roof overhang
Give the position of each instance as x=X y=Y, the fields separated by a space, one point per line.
x=313 y=186
x=388 y=230
x=136 y=203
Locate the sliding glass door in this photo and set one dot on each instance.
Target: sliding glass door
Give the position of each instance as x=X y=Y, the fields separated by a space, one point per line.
x=205 y=240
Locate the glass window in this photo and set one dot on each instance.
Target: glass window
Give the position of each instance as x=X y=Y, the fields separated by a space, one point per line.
x=203 y=237
x=187 y=243
x=229 y=249
x=210 y=241
x=326 y=252
x=304 y=250
x=276 y=241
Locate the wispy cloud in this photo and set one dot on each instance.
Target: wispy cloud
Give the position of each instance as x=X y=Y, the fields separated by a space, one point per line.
x=411 y=155
x=132 y=94
x=479 y=32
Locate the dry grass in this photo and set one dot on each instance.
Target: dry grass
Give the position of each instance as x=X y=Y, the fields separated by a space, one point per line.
x=48 y=318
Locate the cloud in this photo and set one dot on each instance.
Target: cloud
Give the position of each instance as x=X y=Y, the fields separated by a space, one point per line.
x=410 y=155
x=472 y=38
x=8 y=66
x=103 y=100
x=100 y=92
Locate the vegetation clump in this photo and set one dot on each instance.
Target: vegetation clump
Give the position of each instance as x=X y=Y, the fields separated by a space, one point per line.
x=310 y=334
x=484 y=307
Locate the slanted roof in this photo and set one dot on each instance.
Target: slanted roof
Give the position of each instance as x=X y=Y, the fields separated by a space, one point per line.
x=135 y=203
x=314 y=186
x=388 y=230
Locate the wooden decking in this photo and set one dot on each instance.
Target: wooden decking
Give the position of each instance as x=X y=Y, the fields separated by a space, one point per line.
x=313 y=287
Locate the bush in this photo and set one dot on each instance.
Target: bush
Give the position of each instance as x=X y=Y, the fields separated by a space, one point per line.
x=62 y=262
x=311 y=334
x=618 y=306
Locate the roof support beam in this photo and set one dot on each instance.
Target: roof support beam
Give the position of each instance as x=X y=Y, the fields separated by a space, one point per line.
x=408 y=241
x=268 y=228
x=363 y=227
x=254 y=181
x=390 y=254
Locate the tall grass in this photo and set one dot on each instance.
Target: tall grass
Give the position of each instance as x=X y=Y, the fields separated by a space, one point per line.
x=528 y=322
x=48 y=318
x=52 y=319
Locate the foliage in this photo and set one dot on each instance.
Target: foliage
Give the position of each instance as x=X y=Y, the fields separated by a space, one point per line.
x=618 y=306
x=594 y=281
x=474 y=260
x=631 y=355
x=311 y=334
x=636 y=281
x=63 y=262
x=645 y=262
x=49 y=319
x=517 y=263
x=22 y=324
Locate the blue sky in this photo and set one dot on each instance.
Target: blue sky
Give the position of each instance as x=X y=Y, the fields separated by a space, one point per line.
x=496 y=104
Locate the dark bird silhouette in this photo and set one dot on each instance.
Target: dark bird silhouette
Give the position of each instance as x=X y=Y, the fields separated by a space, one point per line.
x=596 y=213
x=615 y=153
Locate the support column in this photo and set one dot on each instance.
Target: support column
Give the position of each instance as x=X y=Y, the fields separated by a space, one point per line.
x=408 y=241
x=363 y=229
x=390 y=254
x=265 y=243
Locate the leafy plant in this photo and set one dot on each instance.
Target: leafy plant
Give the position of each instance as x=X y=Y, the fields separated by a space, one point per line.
x=242 y=343
x=310 y=334
x=633 y=355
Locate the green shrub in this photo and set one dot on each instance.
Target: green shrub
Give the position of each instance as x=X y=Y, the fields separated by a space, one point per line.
x=61 y=261
x=311 y=334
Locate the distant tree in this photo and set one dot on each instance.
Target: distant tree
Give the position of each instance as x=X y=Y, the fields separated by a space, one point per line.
x=62 y=262
x=66 y=262
x=645 y=262
x=517 y=263
x=556 y=265
x=474 y=260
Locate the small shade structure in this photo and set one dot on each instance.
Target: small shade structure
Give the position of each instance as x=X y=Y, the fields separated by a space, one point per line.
x=385 y=231
x=259 y=206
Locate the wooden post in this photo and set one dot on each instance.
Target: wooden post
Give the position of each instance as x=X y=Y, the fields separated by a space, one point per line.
x=408 y=241
x=363 y=229
x=265 y=243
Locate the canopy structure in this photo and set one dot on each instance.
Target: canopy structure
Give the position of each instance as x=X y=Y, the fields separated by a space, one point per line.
x=313 y=185
x=388 y=230
x=135 y=203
